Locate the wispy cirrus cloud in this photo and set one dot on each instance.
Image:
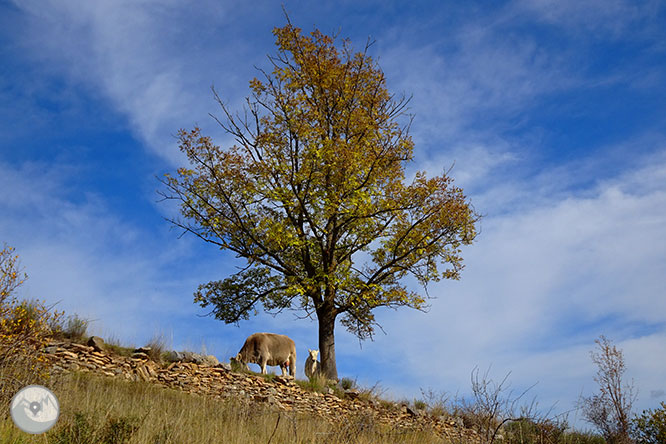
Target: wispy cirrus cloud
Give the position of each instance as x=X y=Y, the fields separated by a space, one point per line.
x=91 y=261
x=601 y=17
x=153 y=61
x=542 y=282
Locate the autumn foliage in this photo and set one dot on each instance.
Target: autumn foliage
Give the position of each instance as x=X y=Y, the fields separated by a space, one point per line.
x=24 y=330
x=314 y=198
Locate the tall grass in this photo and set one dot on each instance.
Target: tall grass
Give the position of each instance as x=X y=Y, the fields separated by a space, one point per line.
x=111 y=411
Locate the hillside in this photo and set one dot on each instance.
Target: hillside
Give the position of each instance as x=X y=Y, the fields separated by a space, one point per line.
x=273 y=393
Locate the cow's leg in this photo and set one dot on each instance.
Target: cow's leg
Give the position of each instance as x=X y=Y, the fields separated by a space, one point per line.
x=284 y=370
x=263 y=366
x=292 y=365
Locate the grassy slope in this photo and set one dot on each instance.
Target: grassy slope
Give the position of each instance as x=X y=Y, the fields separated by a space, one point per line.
x=105 y=410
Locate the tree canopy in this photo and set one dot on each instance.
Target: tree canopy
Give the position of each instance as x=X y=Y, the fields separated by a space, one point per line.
x=313 y=195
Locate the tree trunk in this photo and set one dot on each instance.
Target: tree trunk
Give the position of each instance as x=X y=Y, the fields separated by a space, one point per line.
x=327 y=344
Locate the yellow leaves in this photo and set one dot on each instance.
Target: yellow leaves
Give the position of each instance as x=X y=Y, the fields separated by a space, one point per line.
x=313 y=188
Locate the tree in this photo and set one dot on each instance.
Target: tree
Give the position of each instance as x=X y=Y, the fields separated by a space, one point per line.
x=313 y=195
x=610 y=409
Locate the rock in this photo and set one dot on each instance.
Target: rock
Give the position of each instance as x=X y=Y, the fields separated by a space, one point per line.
x=97 y=343
x=82 y=347
x=189 y=356
x=224 y=365
x=210 y=360
x=352 y=393
x=174 y=356
x=284 y=380
x=145 y=350
x=217 y=380
x=408 y=410
x=261 y=398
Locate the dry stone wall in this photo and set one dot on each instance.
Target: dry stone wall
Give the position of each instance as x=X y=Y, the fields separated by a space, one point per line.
x=218 y=381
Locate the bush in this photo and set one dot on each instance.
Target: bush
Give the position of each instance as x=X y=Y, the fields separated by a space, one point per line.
x=420 y=404
x=158 y=346
x=76 y=327
x=650 y=427
x=317 y=384
x=347 y=383
x=24 y=332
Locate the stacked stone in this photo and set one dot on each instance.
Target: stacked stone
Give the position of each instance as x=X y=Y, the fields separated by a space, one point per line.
x=210 y=378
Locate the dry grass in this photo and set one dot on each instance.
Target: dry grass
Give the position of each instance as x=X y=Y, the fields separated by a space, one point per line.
x=106 y=410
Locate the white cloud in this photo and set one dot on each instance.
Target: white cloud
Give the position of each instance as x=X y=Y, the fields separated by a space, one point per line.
x=613 y=17
x=541 y=283
x=486 y=76
x=93 y=262
x=154 y=61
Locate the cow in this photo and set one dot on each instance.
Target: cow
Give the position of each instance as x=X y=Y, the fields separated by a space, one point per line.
x=269 y=349
x=311 y=364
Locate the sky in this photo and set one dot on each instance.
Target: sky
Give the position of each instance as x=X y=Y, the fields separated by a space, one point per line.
x=551 y=115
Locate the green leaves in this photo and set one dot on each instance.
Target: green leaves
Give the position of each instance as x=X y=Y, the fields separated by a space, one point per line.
x=235 y=298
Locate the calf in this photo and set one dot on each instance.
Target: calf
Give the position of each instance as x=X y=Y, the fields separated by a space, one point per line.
x=311 y=364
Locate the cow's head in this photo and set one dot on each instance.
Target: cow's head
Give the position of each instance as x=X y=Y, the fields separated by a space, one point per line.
x=237 y=363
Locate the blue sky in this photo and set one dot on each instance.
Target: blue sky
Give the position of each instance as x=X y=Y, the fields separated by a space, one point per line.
x=552 y=113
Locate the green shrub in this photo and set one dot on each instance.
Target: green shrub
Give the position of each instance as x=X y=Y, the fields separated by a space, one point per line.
x=420 y=404
x=113 y=343
x=75 y=327
x=347 y=383
x=650 y=427
x=317 y=384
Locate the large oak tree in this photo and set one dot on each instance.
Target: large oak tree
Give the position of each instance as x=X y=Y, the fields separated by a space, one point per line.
x=313 y=196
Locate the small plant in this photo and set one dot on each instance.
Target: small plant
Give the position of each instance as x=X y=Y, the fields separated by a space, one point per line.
x=268 y=377
x=116 y=346
x=75 y=327
x=436 y=401
x=373 y=393
x=317 y=384
x=386 y=404
x=347 y=383
x=420 y=404
x=237 y=366
x=158 y=347
x=78 y=431
x=119 y=430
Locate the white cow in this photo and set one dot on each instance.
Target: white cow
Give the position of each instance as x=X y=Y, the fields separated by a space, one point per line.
x=311 y=364
x=269 y=349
